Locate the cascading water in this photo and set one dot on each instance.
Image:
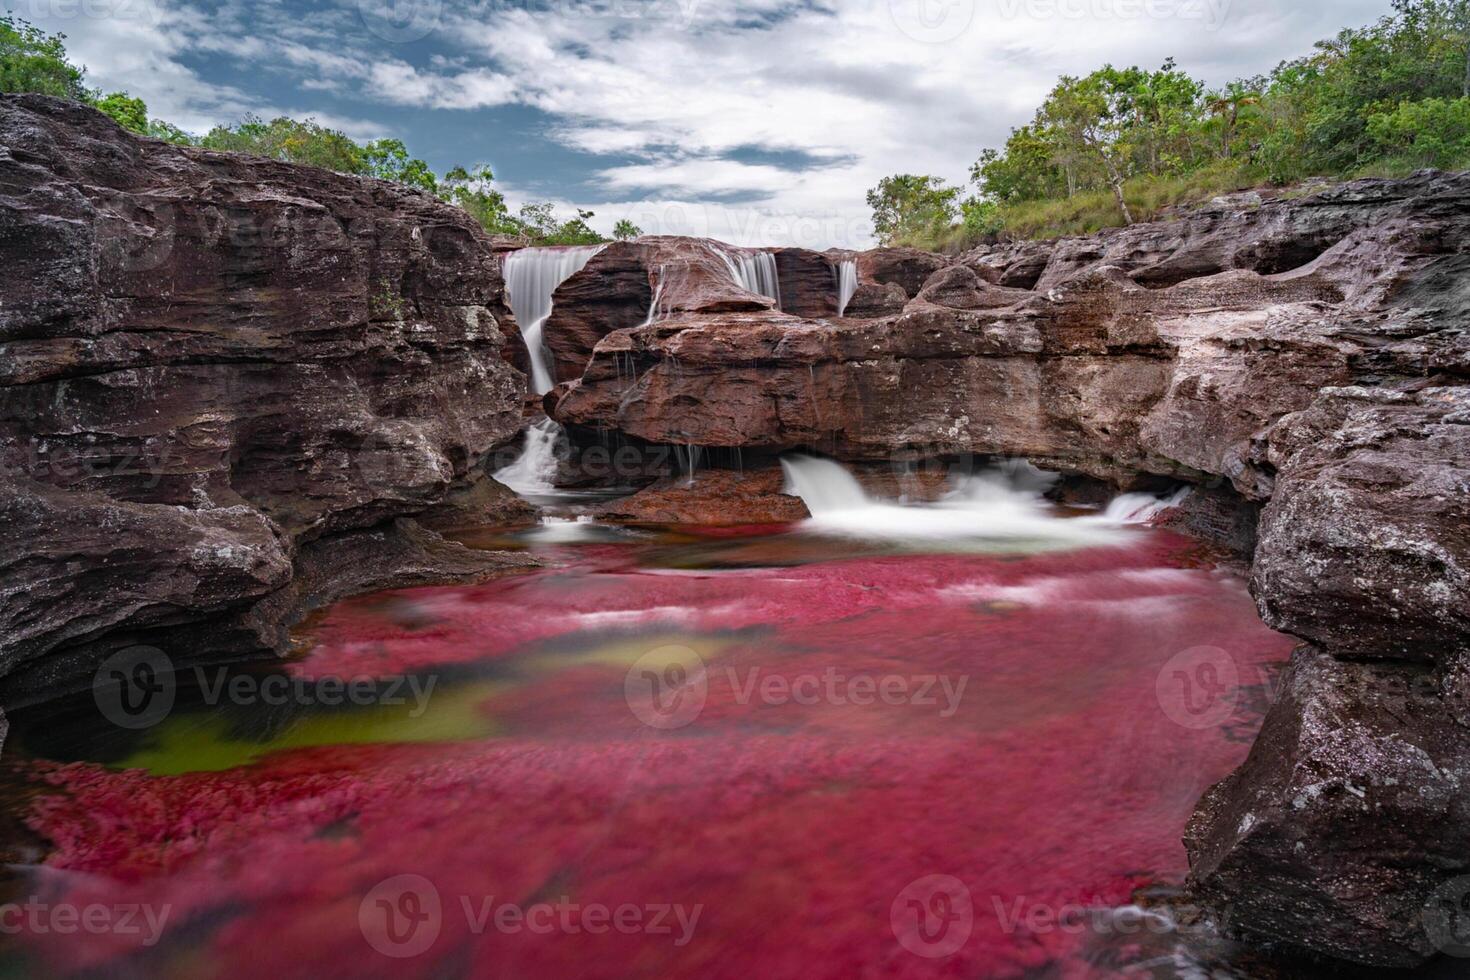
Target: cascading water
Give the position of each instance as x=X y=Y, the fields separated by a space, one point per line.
x=654 y=312
x=997 y=509
x=531 y=278
x=846 y=275
x=754 y=272
x=1140 y=508
x=534 y=470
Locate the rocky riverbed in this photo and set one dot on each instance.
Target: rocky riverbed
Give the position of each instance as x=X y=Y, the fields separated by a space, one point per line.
x=234 y=390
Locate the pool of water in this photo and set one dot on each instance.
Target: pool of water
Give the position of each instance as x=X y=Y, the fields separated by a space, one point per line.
x=751 y=752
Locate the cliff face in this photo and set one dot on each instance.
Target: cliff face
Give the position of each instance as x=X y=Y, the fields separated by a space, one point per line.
x=1306 y=360
x=231 y=388
x=207 y=363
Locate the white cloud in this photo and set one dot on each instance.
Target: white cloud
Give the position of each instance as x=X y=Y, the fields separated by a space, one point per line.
x=868 y=87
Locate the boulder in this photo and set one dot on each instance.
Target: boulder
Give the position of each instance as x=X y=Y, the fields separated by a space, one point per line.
x=907 y=268
x=1348 y=817
x=710 y=498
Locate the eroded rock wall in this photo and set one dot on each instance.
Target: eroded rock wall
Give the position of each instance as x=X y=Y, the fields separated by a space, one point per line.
x=208 y=360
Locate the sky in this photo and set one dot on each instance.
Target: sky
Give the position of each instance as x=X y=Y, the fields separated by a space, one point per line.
x=760 y=122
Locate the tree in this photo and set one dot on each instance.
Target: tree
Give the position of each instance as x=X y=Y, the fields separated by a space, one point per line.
x=980 y=218
x=911 y=208
x=388 y=159
x=1431 y=132
x=1226 y=106
x=34 y=61
x=130 y=113
x=539 y=223
x=625 y=230
x=472 y=191
x=169 y=133
x=1094 y=115
x=290 y=140
x=576 y=231
x=1026 y=170
x=1163 y=106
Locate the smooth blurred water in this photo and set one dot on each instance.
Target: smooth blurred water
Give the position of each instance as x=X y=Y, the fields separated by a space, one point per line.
x=998 y=508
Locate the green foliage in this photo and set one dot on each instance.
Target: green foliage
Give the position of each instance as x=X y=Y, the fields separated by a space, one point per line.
x=1123 y=142
x=388 y=159
x=292 y=141
x=472 y=191
x=911 y=208
x=386 y=301
x=625 y=230
x=130 y=113
x=33 y=61
x=980 y=218
x=169 y=133
x=1433 y=132
x=539 y=223
x=1098 y=131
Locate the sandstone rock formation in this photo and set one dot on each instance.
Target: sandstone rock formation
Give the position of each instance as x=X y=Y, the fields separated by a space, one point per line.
x=209 y=362
x=1305 y=360
x=232 y=388
x=721 y=497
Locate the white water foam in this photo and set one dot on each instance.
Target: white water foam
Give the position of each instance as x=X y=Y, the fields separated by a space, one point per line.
x=534 y=470
x=999 y=508
x=1140 y=508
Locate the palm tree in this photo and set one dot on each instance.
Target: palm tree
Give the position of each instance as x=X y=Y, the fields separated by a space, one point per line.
x=1227 y=105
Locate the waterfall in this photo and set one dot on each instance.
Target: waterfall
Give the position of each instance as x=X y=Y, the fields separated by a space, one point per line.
x=1140 y=508
x=754 y=272
x=654 y=313
x=531 y=277
x=534 y=470
x=826 y=487
x=997 y=509
x=846 y=273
